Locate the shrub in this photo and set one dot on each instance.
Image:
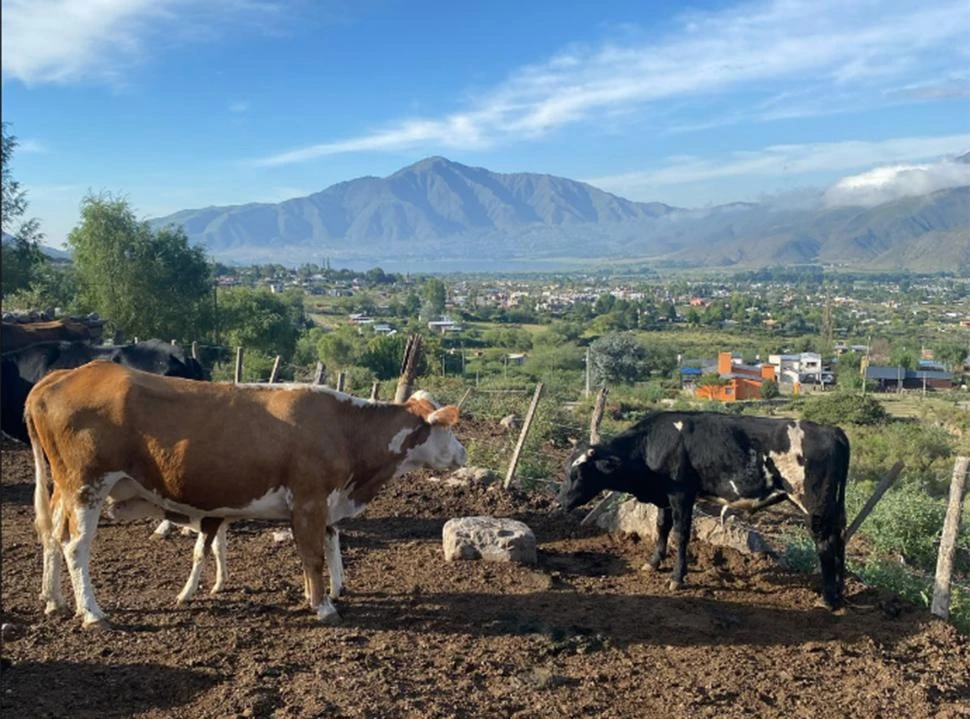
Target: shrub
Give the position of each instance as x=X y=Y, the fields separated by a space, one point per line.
x=844 y=408
x=906 y=523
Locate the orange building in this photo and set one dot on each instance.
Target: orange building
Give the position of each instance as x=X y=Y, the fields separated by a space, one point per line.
x=741 y=381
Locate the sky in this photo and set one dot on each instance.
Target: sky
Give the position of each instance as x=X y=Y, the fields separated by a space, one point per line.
x=179 y=104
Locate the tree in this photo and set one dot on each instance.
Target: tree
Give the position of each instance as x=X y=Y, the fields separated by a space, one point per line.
x=617 y=357
x=21 y=256
x=257 y=320
x=383 y=355
x=150 y=283
x=433 y=298
x=769 y=389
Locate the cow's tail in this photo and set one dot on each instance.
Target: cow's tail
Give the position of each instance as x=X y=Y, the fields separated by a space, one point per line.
x=42 y=497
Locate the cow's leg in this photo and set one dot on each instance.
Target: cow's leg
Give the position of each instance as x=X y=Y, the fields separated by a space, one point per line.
x=219 y=552
x=77 y=549
x=664 y=523
x=198 y=562
x=830 y=544
x=682 y=509
x=306 y=533
x=335 y=563
x=50 y=591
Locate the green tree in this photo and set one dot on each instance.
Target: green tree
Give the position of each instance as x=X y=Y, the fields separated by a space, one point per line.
x=21 y=256
x=769 y=389
x=257 y=320
x=341 y=348
x=148 y=282
x=617 y=357
x=383 y=355
x=433 y=298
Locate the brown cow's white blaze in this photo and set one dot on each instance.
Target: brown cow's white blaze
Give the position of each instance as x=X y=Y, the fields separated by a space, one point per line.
x=217 y=452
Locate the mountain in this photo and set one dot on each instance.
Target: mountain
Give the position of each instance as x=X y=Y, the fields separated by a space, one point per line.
x=441 y=215
x=51 y=252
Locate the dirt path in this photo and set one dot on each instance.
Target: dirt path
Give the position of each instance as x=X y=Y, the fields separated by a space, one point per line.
x=583 y=634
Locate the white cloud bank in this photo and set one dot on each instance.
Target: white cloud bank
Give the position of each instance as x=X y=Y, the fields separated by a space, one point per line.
x=781 y=161
x=892 y=182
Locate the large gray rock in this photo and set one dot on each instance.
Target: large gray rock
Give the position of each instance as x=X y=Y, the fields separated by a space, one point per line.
x=489 y=538
x=632 y=517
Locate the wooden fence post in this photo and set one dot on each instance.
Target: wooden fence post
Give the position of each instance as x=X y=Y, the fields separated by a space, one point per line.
x=594 y=421
x=375 y=390
x=195 y=350
x=275 y=371
x=341 y=381
x=237 y=376
x=870 y=504
x=594 y=437
x=318 y=375
x=409 y=368
x=530 y=415
x=948 y=540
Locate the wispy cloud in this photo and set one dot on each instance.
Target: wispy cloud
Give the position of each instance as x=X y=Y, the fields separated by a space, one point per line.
x=756 y=46
x=239 y=106
x=31 y=146
x=783 y=160
x=64 y=41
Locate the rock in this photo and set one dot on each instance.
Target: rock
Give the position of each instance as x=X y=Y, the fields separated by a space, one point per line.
x=490 y=538
x=510 y=422
x=632 y=517
x=467 y=477
x=283 y=535
x=10 y=631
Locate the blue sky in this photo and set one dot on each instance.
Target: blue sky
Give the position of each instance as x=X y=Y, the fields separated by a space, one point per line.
x=183 y=103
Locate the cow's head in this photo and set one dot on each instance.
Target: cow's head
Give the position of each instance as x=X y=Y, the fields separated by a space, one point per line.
x=589 y=472
x=436 y=445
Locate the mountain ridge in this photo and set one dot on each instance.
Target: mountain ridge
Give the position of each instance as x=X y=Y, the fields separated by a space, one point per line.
x=436 y=212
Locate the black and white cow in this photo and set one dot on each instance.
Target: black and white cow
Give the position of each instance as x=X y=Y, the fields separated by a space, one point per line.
x=672 y=458
x=23 y=368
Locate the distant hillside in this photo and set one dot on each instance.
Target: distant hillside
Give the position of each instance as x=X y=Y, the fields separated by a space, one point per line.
x=438 y=214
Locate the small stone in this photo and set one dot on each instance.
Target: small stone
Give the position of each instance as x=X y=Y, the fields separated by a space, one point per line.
x=10 y=631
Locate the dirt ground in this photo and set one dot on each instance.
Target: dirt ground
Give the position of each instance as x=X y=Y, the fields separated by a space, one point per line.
x=585 y=633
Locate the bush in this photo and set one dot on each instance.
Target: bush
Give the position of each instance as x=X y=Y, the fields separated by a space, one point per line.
x=844 y=408
x=907 y=523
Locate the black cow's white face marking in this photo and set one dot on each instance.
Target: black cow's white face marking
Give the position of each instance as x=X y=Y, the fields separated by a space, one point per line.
x=586 y=477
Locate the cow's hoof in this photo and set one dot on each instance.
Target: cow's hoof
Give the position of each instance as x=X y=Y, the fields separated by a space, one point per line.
x=822 y=603
x=96 y=624
x=676 y=585
x=55 y=608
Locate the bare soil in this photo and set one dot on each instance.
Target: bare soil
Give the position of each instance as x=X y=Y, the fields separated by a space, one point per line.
x=584 y=633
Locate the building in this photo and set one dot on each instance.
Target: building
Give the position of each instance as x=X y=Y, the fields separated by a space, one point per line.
x=893 y=379
x=739 y=381
x=801 y=368
x=444 y=326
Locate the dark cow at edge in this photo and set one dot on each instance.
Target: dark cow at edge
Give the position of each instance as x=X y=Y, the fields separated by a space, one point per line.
x=23 y=368
x=670 y=459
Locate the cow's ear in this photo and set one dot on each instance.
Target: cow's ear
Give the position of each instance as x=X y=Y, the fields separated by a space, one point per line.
x=446 y=416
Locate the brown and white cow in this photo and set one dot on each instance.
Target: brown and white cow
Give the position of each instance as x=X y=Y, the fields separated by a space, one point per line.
x=310 y=455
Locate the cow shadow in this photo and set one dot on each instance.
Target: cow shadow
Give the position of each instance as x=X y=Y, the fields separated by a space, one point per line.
x=567 y=620
x=87 y=689
x=20 y=493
